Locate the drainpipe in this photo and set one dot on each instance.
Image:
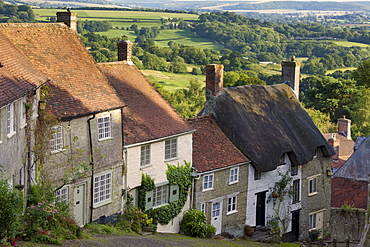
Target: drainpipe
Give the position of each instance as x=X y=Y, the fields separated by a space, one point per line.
x=92 y=169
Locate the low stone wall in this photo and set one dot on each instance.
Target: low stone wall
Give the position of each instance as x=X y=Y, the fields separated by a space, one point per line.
x=347 y=225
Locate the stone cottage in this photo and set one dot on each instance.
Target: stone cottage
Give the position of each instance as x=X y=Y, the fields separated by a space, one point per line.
x=154 y=135
x=20 y=84
x=220 y=177
x=83 y=154
x=270 y=127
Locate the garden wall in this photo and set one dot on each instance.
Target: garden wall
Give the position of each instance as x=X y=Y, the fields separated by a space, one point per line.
x=347 y=225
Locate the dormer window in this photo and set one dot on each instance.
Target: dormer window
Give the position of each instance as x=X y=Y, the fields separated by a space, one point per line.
x=104 y=127
x=257 y=174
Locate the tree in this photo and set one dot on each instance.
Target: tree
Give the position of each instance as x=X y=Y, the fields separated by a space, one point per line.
x=362 y=74
x=335 y=97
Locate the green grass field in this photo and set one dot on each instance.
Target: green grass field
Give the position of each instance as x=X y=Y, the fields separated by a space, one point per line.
x=171 y=81
x=350 y=44
x=112 y=14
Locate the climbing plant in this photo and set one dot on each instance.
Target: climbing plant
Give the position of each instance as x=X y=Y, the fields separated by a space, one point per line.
x=280 y=195
x=176 y=175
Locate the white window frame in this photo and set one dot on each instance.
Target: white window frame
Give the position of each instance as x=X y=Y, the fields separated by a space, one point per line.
x=203 y=207
x=232 y=203
x=171 y=149
x=56 y=140
x=161 y=196
x=23 y=113
x=61 y=195
x=10 y=121
x=312 y=185
x=234 y=175
x=104 y=123
x=216 y=209
x=103 y=186
x=208 y=182
x=296 y=190
x=145 y=155
x=312 y=221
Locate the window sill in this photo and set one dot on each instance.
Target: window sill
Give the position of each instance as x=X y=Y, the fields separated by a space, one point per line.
x=105 y=139
x=235 y=182
x=57 y=151
x=165 y=204
x=11 y=134
x=1 y=142
x=232 y=212
x=145 y=166
x=312 y=194
x=102 y=203
x=209 y=189
x=23 y=125
x=295 y=202
x=171 y=159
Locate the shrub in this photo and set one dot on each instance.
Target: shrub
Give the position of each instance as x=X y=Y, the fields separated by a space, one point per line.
x=11 y=204
x=48 y=222
x=133 y=220
x=193 y=224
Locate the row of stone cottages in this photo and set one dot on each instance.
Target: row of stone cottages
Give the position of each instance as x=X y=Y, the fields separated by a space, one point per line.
x=114 y=126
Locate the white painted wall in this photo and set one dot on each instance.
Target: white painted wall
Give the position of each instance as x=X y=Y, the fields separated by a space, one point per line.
x=157 y=169
x=266 y=183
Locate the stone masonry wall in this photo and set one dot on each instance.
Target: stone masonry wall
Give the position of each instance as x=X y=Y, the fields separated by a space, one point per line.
x=346 y=225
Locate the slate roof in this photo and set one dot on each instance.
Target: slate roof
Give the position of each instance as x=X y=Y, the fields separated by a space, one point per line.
x=265 y=122
x=17 y=75
x=212 y=149
x=148 y=115
x=349 y=191
x=357 y=167
x=77 y=86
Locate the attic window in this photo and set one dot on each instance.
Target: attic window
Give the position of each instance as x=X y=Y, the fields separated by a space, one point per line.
x=282 y=160
x=257 y=174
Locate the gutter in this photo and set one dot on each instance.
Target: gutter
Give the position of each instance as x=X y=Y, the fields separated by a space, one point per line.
x=89 y=113
x=92 y=168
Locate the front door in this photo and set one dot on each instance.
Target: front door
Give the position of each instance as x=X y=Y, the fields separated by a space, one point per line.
x=295 y=226
x=79 y=204
x=261 y=209
x=216 y=219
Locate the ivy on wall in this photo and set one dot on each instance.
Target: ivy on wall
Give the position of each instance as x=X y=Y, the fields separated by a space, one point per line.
x=176 y=175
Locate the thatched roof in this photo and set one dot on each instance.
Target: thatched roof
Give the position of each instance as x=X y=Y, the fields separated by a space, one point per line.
x=265 y=122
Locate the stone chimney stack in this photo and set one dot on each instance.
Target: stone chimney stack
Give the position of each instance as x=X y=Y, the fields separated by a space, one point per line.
x=344 y=127
x=69 y=18
x=124 y=50
x=214 y=79
x=290 y=74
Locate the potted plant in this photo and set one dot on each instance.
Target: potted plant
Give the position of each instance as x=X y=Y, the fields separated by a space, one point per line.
x=248 y=230
x=211 y=231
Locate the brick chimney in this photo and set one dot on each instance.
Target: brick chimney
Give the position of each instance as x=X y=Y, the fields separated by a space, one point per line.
x=290 y=74
x=334 y=142
x=344 y=127
x=214 y=79
x=69 y=18
x=124 y=50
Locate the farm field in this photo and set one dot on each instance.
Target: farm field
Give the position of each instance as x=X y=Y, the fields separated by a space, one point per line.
x=114 y=14
x=121 y=20
x=171 y=81
x=350 y=44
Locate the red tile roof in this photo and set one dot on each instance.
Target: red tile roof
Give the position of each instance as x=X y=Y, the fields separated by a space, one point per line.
x=349 y=191
x=345 y=147
x=77 y=85
x=211 y=147
x=148 y=115
x=17 y=75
